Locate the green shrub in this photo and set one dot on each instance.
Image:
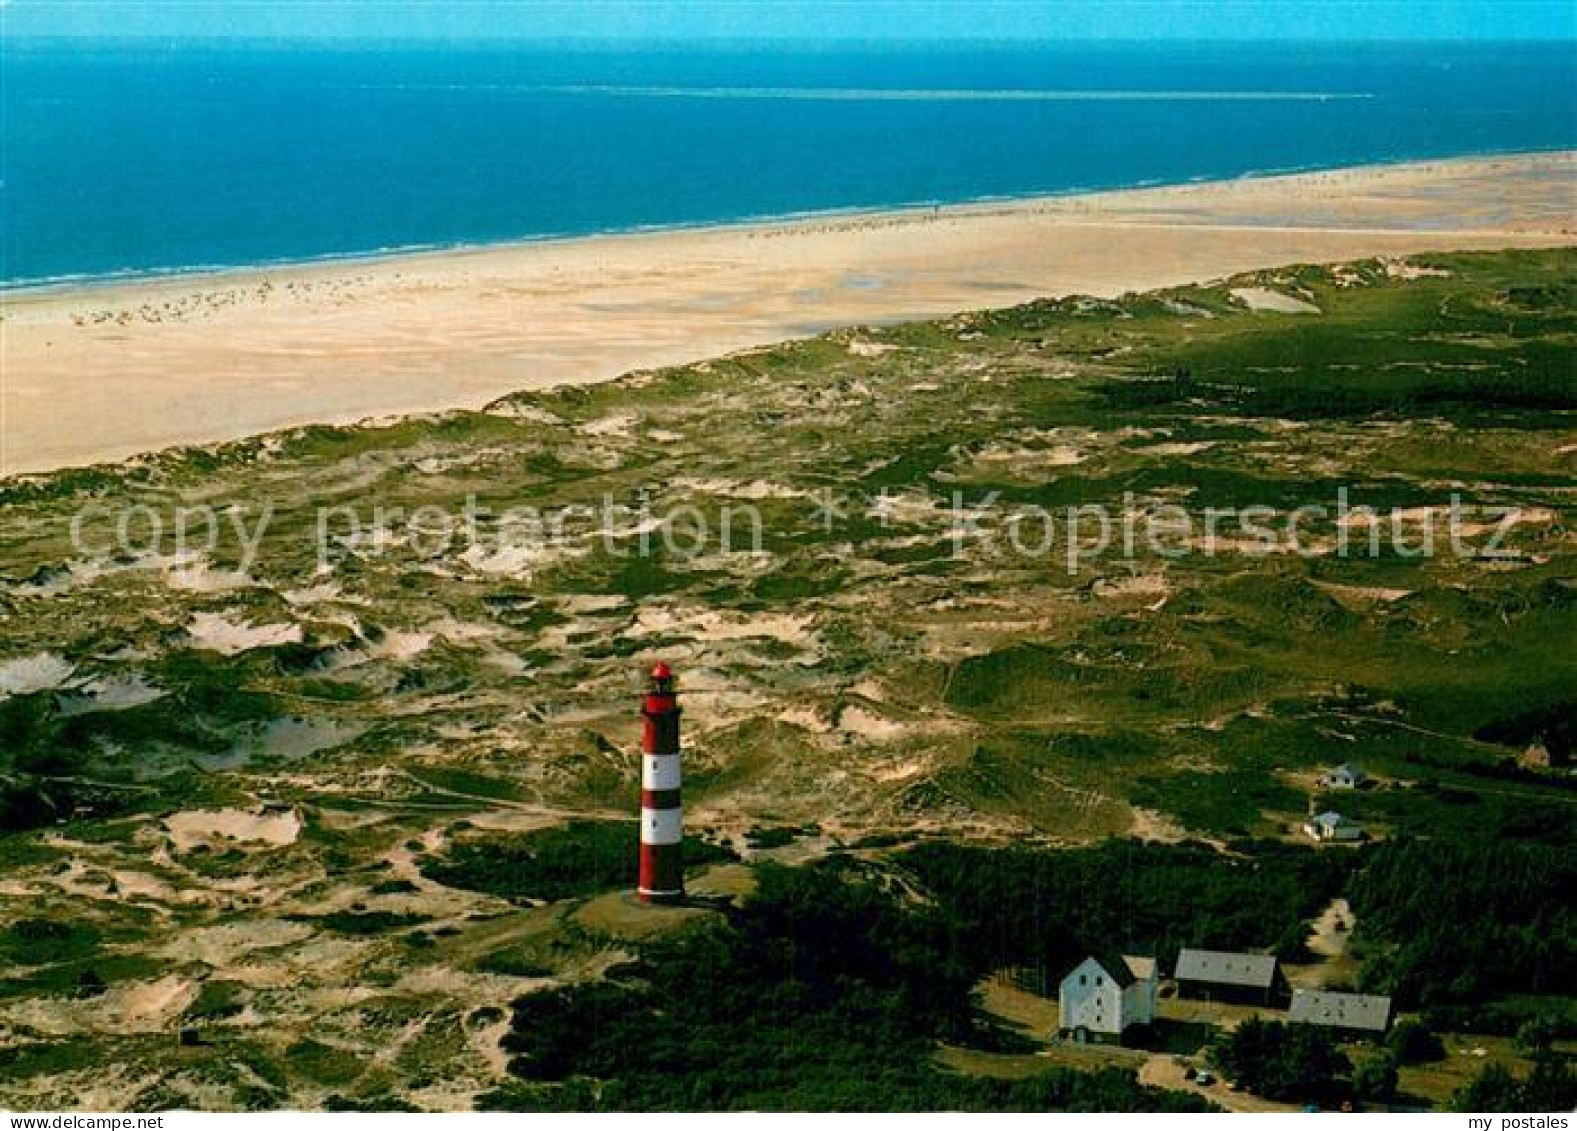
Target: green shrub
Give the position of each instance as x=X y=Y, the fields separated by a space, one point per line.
x=369 y=922
x=1290 y=1063
x=217 y=1000
x=513 y=964
x=393 y=887
x=1413 y=1042
x=770 y=837
x=1375 y=1078
x=34 y=942
x=568 y=860
x=1550 y=1087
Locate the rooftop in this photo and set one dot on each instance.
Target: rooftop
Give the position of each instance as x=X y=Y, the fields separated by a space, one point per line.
x=1116 y=967
x=1226 y=968
x=1144 y=969
x=1371 y=1012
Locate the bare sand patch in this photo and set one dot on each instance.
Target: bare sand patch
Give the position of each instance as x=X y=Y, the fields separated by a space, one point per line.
x=126 y=1008
x=1364 y=592
x=714 y=626
x=156 y=1002
x=514 y=820
x=1265 y=299
x=869 y=725
x=900 y=771
x=132 y=885
x=1062 y=455
x=321 y=593
x=861 y=347
x=27 y=675
x=397 y=644
x=1332 y=929
x=1402 y=269
x=225 y=945
x=111 y=693
x=219 y=632
x=1177 y=449
x=619 y=425
x=295 y=737
x=807 y=717
x=581 y=604
x=1149 y=824
x=200 y=577
x=200 y=826
x=754 y=490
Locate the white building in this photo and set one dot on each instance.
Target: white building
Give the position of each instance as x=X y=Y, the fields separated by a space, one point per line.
x=1105 y=996
x=1332 y=826
x=1344 y=776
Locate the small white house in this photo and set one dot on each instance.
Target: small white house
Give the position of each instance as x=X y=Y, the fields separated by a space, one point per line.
x=1345 y=776
x=1103 y=997
x=1332 y=826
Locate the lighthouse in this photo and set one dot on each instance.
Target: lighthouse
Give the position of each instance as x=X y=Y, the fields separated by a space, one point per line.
x=662 y=815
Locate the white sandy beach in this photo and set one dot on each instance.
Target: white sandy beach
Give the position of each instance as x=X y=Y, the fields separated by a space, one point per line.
x=100 y=373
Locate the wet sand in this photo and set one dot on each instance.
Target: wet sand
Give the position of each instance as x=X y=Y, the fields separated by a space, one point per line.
x=94 y=374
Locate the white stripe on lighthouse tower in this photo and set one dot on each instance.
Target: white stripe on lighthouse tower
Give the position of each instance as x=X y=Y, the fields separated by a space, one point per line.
x=662 y=826
x=660 y=771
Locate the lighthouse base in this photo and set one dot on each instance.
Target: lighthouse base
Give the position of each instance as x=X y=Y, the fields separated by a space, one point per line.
x=661 y=875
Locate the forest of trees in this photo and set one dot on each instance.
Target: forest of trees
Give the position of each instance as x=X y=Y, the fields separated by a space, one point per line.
x=1048 y=910
x=832 y=985
x=827 y=990
x=1442 y=922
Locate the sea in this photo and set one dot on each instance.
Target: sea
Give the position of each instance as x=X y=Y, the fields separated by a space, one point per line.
x=144 y=157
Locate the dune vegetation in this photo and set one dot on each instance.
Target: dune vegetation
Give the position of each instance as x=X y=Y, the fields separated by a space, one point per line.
x=338 y=784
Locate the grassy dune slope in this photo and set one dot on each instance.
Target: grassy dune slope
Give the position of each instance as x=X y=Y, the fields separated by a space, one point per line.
x=202 y=766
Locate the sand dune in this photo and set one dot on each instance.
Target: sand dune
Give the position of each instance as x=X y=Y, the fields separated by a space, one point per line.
x=95 y=374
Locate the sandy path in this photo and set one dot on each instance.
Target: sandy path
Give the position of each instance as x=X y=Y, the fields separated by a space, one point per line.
x=1162 y=1071
x=101 y=373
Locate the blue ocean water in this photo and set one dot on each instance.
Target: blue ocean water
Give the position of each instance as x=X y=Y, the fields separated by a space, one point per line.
x=155 y=157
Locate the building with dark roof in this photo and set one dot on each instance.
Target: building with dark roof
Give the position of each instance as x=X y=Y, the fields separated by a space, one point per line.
x=1220 y=975
x=1354 y=1013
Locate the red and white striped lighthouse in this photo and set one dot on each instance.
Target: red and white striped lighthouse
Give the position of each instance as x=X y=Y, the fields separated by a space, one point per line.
x=662 y=815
